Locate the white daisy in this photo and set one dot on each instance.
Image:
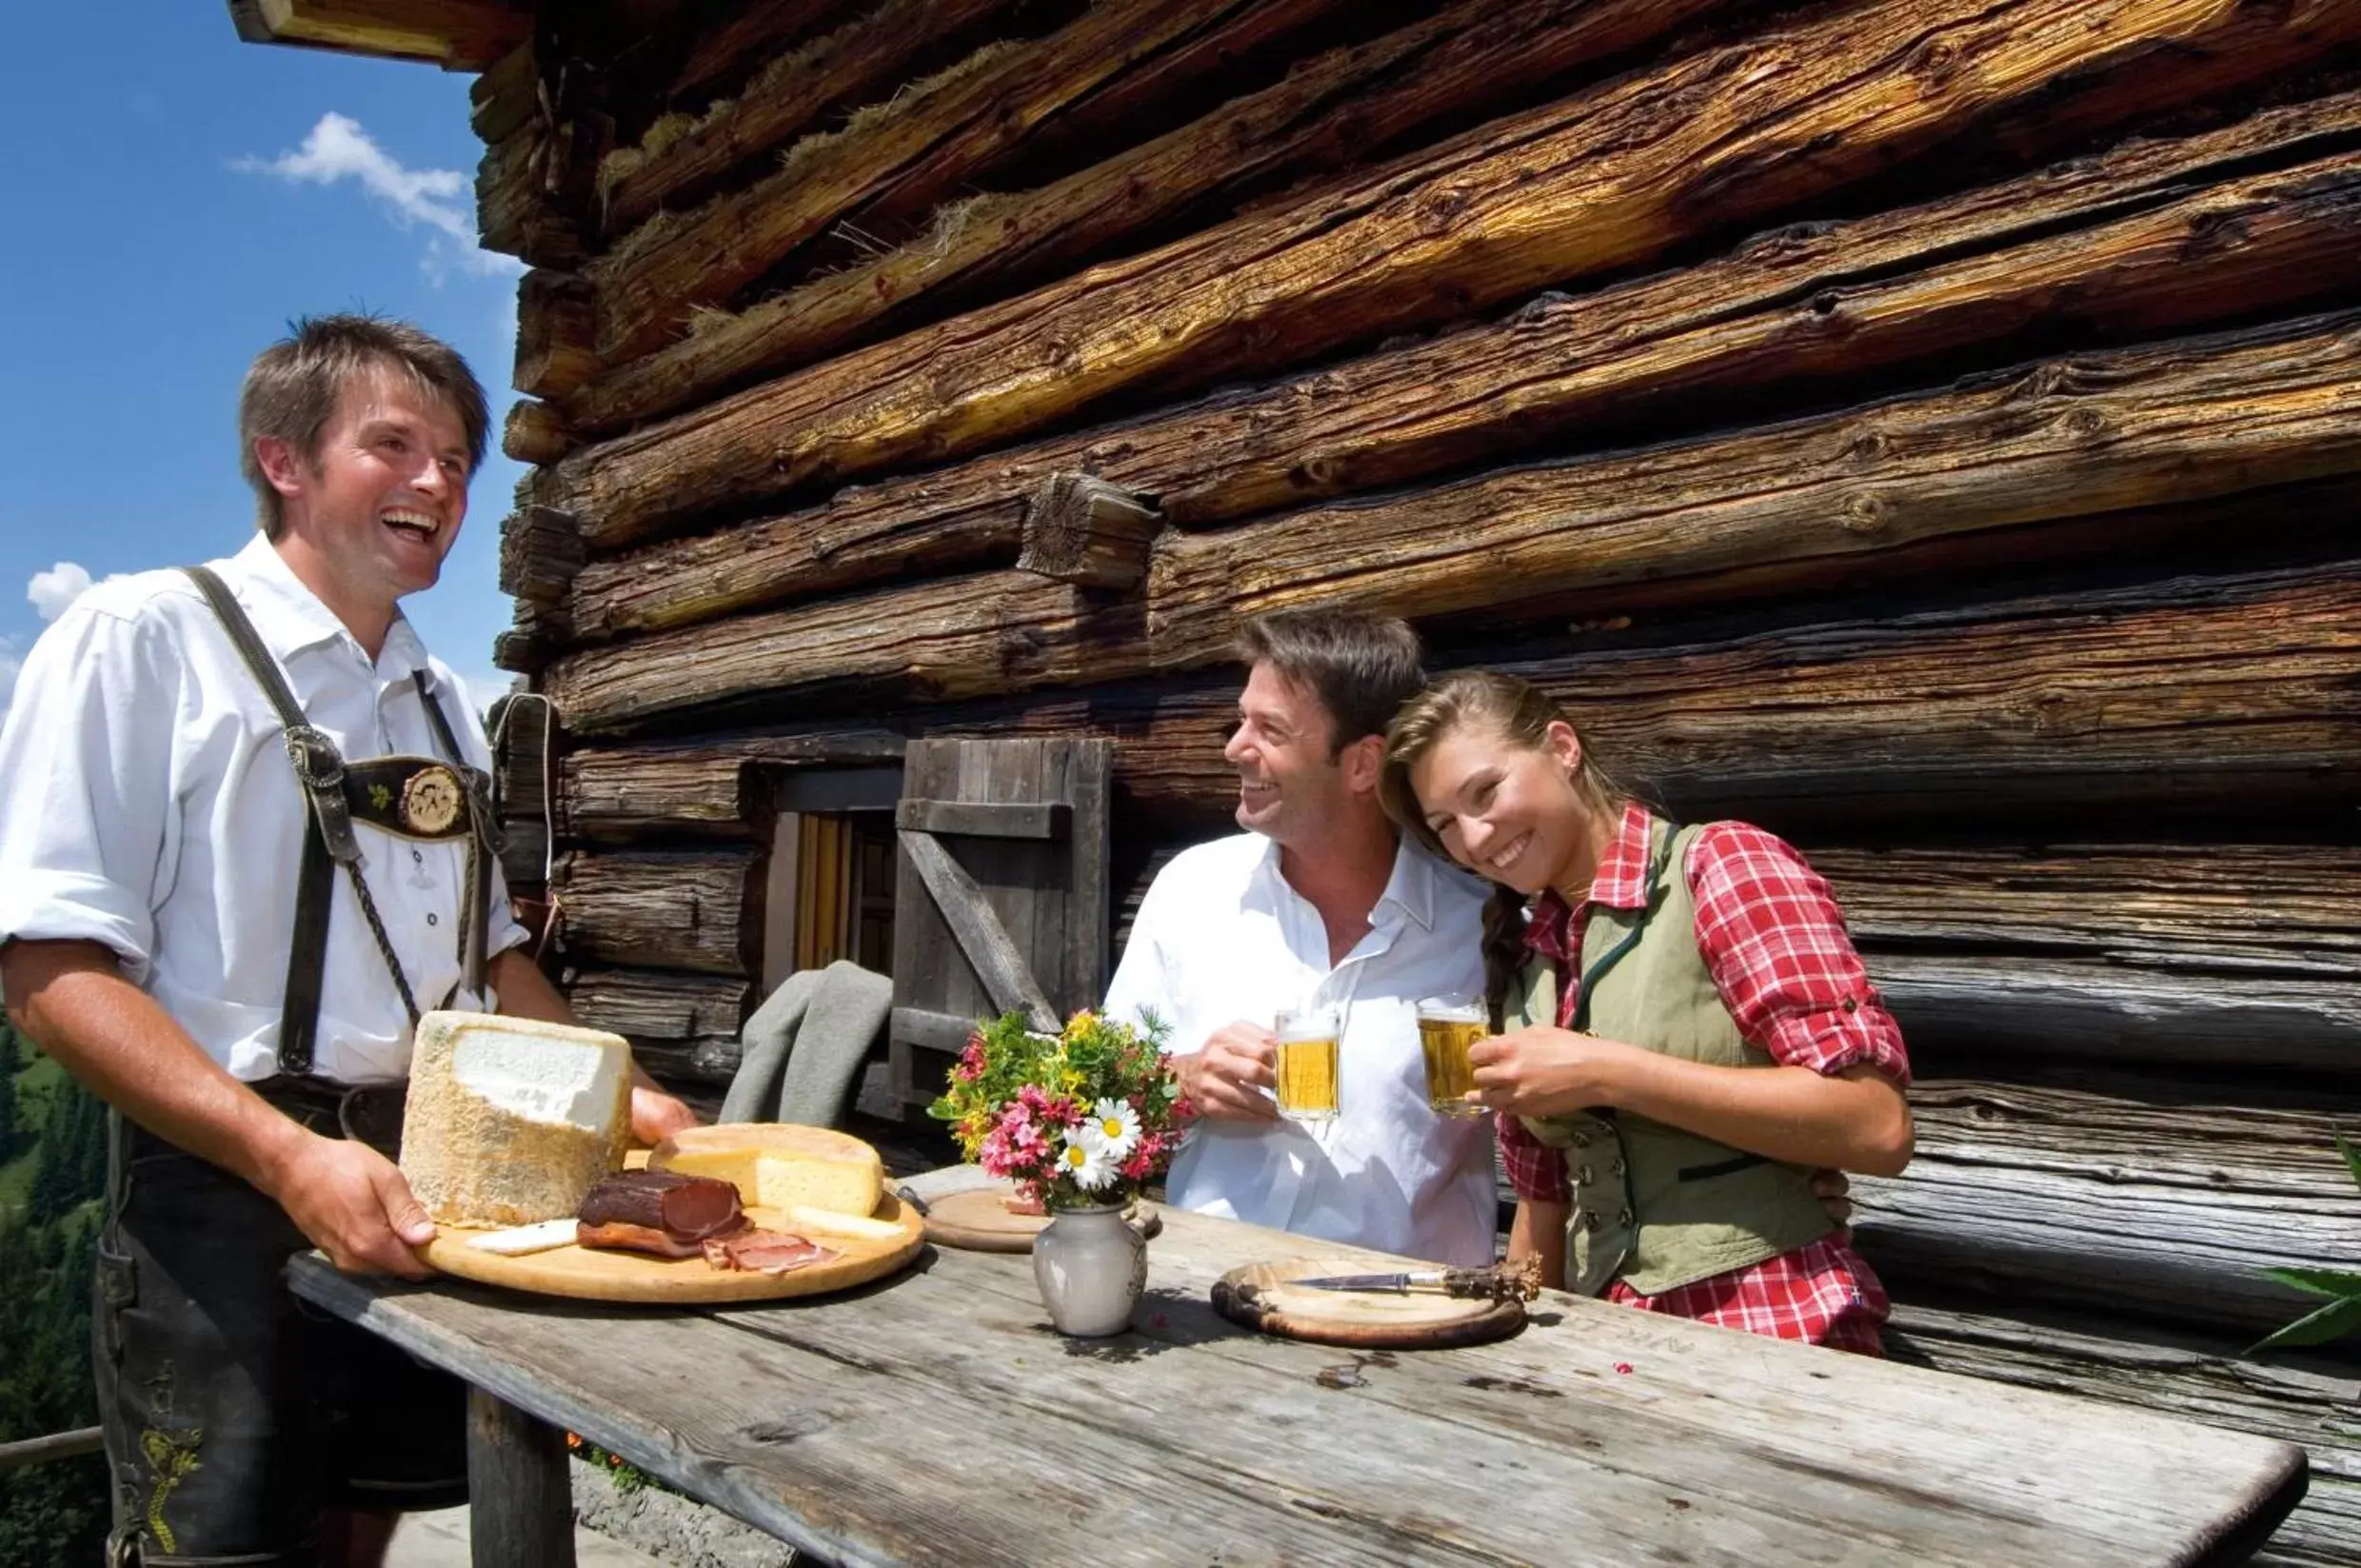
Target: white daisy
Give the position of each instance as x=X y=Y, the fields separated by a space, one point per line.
x=1088 y=1165
x=1114 y=1129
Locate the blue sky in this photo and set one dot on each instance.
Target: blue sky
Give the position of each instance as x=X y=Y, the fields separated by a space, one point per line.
x=170 y=197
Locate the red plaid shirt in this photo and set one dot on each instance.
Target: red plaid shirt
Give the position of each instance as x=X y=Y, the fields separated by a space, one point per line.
x=1771 y=934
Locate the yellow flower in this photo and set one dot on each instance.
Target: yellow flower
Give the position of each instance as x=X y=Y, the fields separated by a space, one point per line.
x=1080 y=1025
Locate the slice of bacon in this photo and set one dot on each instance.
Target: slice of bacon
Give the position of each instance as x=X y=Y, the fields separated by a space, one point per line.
x=764 y=1252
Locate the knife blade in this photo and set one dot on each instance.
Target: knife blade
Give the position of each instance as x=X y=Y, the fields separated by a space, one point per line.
x=1400 y=1285
x=1519 y=1280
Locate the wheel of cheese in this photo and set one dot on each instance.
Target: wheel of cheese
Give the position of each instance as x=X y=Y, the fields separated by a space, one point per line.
x=779 y=1165
x=510 y=1120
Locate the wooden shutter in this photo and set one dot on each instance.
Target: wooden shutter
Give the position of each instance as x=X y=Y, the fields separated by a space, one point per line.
x=1000 y=894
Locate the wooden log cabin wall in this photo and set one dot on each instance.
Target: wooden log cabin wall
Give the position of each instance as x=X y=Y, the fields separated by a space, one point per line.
x=1920 y=426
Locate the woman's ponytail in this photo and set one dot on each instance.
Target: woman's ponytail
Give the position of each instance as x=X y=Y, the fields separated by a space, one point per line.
x=1503 y=949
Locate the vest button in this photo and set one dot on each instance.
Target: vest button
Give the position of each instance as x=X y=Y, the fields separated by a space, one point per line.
x=1591 y=1220
x=1624 y=1218
x=1618 y=1167
x=1582 y=1176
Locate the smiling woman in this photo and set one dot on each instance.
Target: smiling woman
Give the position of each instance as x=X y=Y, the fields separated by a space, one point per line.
x=1686 y=1032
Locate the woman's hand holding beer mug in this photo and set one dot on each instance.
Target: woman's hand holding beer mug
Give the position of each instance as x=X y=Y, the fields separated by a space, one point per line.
x=1232 y=1076
x=1541 y=1071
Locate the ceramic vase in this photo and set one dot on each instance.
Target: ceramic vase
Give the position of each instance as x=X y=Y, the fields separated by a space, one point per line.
x=1091 y=1266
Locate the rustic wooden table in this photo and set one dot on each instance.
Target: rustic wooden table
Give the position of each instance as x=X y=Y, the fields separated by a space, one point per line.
x=934 y=1418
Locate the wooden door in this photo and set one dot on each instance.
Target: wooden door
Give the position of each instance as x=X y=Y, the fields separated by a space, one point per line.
x=999 y=896
x=824 y=892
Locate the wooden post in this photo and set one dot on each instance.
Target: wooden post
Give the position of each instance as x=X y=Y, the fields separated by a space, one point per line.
x=520 y=1487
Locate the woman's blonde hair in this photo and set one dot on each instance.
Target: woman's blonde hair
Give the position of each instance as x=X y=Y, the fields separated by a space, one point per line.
x=1520 y=713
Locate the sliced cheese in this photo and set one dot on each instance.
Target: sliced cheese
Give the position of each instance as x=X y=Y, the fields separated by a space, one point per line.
x=510 y=1120
x=823 y=1222
x=522 y=1241
x=779 y=1166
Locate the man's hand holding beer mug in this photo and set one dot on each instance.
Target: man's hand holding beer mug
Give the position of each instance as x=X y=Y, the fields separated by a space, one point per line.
x=1232 y=1079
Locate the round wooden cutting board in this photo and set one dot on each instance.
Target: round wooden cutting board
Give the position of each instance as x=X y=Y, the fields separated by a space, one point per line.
x=597 y=1274
x=1259 y=1296
x=980 y=1220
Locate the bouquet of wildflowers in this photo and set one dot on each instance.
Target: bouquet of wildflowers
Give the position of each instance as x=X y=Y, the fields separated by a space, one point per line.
x=1087 y=1116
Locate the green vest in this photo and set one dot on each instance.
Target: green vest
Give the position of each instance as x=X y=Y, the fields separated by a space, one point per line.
x=1652 y=1205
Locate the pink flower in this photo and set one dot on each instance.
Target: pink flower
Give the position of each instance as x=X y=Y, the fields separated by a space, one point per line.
x=1057 y=1109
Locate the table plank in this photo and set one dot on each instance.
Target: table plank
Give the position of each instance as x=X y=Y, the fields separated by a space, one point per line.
x=936 y=1419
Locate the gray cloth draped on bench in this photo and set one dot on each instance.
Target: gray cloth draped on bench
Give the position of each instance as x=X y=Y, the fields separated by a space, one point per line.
x=801 y=1053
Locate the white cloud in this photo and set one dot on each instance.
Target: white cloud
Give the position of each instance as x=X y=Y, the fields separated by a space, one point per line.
x=51 y=591
x=338 y=148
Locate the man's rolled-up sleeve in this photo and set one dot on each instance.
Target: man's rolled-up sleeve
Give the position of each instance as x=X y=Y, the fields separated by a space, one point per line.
x=86 y=771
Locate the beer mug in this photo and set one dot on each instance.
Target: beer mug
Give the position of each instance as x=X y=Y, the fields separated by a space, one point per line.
x=1307 y=1065
x=1447 y=1026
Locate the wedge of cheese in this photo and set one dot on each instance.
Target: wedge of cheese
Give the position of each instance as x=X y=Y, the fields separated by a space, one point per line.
x=509 y=1121
x=779 y=1166
x=802 y=1217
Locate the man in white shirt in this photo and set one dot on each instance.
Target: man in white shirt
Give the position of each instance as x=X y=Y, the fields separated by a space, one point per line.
x=151 y=831
x=1317 y=905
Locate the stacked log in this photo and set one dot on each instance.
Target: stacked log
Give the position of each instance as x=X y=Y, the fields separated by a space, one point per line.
x=648 y=282
x=2099 y=1199
x=1324 y=116
x=1524 y=204
x=1789 y=309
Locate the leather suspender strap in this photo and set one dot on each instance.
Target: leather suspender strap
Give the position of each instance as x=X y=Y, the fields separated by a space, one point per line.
x=329 y=840
x=319 y=767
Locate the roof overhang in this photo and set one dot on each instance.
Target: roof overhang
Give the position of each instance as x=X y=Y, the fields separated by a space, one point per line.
x=455 y=34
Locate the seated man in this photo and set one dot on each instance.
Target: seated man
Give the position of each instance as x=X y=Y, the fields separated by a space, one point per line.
x=1319 y=903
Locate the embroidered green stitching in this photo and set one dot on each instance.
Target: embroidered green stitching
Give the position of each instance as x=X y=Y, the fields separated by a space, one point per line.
x=173 y=1458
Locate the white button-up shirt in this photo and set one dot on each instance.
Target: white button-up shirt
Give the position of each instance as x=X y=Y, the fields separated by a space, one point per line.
x=1222 y=937
x=146 y=802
